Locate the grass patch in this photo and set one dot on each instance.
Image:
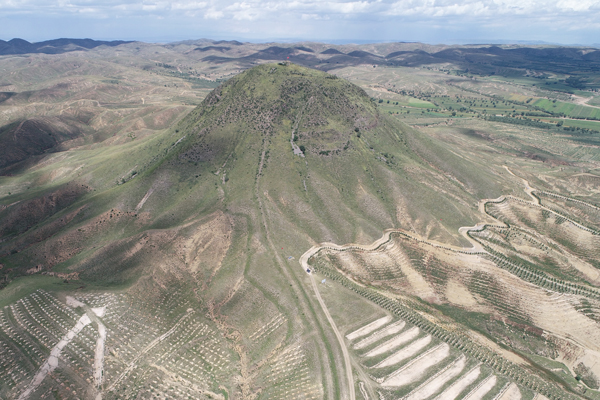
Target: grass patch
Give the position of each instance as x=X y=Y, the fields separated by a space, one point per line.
x=568 y=109
x=24 y=286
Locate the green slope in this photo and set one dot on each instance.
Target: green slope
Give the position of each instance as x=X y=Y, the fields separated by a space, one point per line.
x=217 y=208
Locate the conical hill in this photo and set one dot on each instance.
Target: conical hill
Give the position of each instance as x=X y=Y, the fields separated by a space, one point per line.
x=198 y=230
x=318 y=144
x=331 y=164
x=279 y=151
x=280 y=99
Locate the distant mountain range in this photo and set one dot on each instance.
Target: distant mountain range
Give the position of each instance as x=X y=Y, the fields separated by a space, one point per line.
x=483 y=59
x=478 y=59
x=55 y=46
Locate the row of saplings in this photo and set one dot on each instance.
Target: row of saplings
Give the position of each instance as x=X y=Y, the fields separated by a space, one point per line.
x=458 y=340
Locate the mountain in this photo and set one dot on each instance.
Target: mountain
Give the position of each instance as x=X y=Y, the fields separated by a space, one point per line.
x=186 y=262
x=273 y=161
x=55 y=46
x=36 y=136
x=332 y=166
x=482 y=59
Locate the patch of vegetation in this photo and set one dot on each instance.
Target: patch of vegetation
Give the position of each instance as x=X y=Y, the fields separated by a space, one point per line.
x=586 y=375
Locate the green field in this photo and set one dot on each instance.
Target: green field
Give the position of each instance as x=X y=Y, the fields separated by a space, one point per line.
x=568 y=109
x=576 y=123
x=595 y=101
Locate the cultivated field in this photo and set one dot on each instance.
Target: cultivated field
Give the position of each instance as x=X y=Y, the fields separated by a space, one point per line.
x=503 y=276
x=100 y=346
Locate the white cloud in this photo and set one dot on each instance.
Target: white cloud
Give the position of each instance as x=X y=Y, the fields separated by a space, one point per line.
x=351 y=7
x=189 y=5
x=307 y=17
x=88 y=10
x=578 y=5
x=214 y=14
x=335 y=18
x=534 y=8
x=255 y=9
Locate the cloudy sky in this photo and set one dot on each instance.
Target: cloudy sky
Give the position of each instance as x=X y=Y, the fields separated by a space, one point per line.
x=431 y=21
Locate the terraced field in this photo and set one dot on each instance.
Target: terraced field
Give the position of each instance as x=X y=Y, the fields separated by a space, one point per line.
x=410 y=364
x=535 y=267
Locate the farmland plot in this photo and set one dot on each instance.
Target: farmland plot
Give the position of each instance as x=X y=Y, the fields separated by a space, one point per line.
x=100 y=345
x=290 y=377
x=418 y=367
x=460 y=385
x=395 y=342
x=365 y=330
x=579 y=241
x=35 y=331
x=482 y=389
x=509 y=392
x=387 y=331
x=405 y=353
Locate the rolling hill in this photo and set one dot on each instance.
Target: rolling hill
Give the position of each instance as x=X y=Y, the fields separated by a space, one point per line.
x=184 y=263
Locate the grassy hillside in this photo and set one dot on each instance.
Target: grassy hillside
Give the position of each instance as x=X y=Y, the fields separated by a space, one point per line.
x=192 y=227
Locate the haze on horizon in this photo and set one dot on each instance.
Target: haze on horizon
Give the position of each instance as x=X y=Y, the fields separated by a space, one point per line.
x=430 y=21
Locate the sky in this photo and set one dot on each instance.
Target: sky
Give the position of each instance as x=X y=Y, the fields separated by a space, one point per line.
x=334 y=21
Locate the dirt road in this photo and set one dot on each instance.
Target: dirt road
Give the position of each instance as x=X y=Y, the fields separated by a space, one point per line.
x=348 y=365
